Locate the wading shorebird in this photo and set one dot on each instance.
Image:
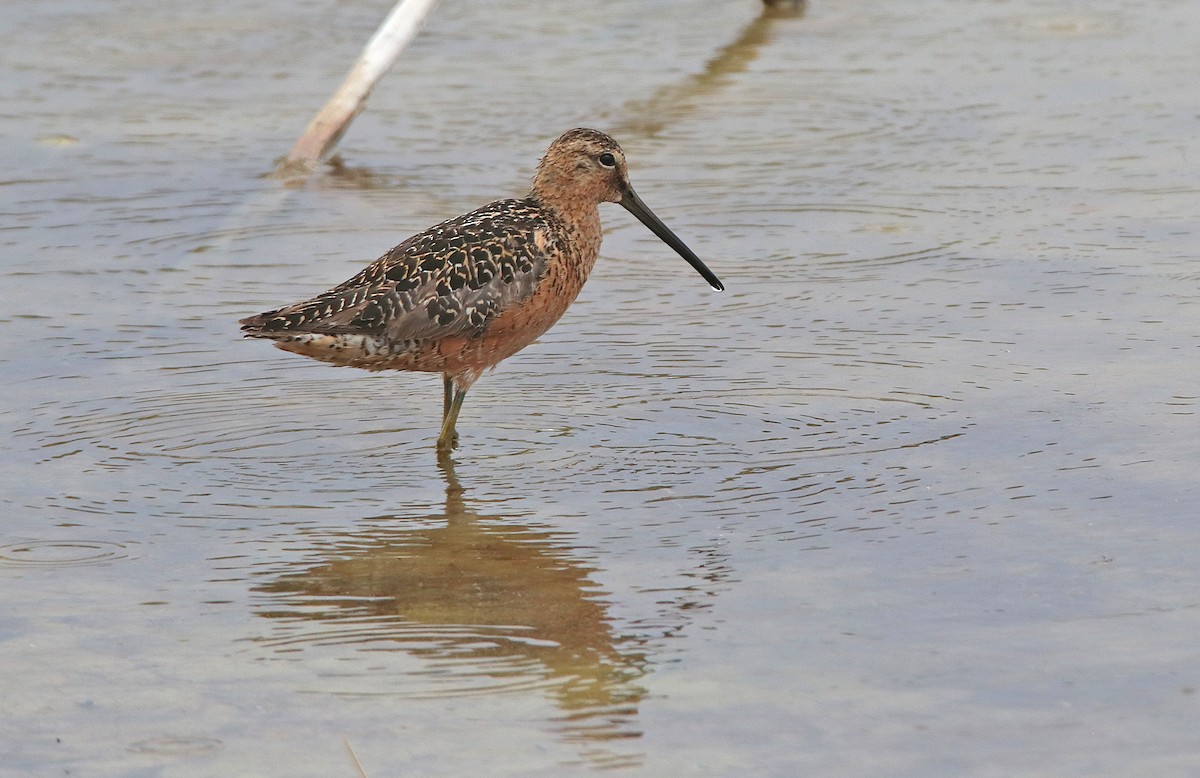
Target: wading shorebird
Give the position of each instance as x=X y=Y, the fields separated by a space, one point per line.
x=465 y=294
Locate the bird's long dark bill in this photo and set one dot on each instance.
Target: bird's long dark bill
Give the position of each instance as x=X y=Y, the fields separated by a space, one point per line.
x=634 y=205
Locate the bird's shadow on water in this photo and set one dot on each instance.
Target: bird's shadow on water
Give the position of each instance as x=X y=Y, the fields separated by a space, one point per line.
x=486 y=605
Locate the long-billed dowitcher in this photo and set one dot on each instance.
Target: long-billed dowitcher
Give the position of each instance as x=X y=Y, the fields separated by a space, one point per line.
x=461 y=296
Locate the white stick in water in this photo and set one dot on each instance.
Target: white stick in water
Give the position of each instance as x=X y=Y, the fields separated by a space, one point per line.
x=328 y=126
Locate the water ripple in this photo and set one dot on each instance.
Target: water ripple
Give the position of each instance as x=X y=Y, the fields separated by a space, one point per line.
x=61 y=553
x=1066 y=25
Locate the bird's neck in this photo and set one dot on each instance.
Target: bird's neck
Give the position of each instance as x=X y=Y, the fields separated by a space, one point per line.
x=580 y=215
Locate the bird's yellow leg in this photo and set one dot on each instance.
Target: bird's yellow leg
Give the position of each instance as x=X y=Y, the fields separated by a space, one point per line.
x=452 y=404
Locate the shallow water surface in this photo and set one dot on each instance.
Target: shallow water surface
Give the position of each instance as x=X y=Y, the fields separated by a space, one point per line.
x=915 y=496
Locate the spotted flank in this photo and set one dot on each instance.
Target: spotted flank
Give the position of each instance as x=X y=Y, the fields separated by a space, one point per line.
x=453 y=278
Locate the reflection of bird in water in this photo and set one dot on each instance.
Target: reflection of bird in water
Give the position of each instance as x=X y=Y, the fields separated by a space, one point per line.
x=469 y=292
x=494 y=605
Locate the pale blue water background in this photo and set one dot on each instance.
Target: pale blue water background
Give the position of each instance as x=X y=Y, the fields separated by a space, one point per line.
x=916 y=496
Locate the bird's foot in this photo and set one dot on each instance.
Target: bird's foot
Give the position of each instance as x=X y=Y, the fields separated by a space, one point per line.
x=447 y=443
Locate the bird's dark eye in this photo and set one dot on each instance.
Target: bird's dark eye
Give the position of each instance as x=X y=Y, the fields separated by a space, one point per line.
x=608 y=160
